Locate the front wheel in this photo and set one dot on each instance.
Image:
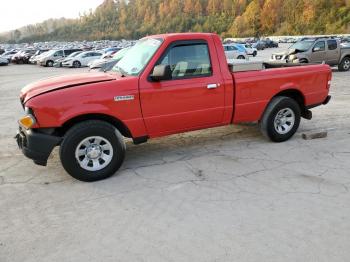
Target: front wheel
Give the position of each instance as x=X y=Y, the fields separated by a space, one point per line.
x=76 y=64
x=281 y=119
x=255 y=53
x=92 y=150
x=49 y=63
x=344 y=64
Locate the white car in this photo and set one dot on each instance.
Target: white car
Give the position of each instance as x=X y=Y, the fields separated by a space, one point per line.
x=232 y=52
x=8 y=55
x=3 y=61
x=103 y=58
x=83 y=59
x=250 y=50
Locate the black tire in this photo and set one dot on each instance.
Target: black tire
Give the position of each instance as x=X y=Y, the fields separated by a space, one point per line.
x=49 y=63
x=303 y=61
x=344 y=64
x=84 y=130
x=76 y=64
x=240 y=57
x=267 y=122
x=255 y=53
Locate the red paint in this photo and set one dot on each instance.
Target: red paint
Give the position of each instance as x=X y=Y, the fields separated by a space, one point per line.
x=168 y=107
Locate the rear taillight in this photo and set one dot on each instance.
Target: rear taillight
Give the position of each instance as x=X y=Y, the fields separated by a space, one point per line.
x=329 y=80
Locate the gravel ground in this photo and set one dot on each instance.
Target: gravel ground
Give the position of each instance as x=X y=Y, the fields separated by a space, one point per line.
x=222 y=194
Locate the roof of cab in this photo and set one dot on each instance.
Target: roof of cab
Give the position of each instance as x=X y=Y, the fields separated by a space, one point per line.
x=181 y=36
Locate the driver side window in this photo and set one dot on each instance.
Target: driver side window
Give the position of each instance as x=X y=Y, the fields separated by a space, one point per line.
x=188 y=60
x=319 y=46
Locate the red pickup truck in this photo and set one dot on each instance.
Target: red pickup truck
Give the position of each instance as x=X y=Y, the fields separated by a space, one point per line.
x=165 y=84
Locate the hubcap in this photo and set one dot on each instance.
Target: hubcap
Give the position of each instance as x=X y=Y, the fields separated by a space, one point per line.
x=284 y=121
x=94 y=153
x=346 y=64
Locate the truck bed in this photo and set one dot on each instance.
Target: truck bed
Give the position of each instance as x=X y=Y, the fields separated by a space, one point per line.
x=243 y=66
x=255 y=88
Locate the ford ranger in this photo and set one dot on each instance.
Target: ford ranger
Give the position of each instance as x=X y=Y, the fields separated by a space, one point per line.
x=165 y=84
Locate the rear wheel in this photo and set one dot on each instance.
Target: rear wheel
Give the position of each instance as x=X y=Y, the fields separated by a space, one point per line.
x=344 y=64
x=240 y=57
x=92 y=150
x=255 y=53
x=281 y=119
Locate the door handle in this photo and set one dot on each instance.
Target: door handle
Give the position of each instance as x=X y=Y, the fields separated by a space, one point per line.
x=211 y=86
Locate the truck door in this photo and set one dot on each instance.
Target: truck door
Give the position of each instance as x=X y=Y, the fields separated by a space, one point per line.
x=333 y=54
x=192 y=98
x=318 y=54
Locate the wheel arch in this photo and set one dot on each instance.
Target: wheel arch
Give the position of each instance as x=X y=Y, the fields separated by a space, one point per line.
x=345 y=56
x=122 y=127
x=294 y=94
x=306 y=60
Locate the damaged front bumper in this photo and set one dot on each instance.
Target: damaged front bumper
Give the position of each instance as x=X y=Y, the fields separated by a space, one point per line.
x=35 y=145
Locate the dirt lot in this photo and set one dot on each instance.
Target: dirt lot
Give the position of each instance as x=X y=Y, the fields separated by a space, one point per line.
x=224 y=194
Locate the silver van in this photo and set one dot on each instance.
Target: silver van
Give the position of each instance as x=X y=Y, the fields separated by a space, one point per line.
x=51 y=56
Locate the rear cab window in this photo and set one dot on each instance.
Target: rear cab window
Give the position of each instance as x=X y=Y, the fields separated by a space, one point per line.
x=332 y=44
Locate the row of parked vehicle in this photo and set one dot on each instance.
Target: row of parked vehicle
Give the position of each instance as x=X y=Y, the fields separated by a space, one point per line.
x=258 y=44
x=66 y=57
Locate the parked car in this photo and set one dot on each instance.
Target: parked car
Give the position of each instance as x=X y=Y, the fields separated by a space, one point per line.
x=112 y=50
x=33 y=59
x=107 y=64
x=317 y=50
x=4 y=61
x=82 y=59
x=270 y=44
x=8 y=55
x=259 y=45
x=249 y=49
x=23 y=56
x=59 y=62
x=104 y=57
x=165 y=84
x=51 y=56
x=234 y=52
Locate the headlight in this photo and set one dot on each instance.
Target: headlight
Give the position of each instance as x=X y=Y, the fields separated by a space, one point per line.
x=293 y=57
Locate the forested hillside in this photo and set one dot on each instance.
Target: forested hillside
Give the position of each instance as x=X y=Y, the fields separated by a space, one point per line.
x=116 y=19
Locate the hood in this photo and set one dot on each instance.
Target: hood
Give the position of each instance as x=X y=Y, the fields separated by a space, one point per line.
x=289 y=52
x=60 y=82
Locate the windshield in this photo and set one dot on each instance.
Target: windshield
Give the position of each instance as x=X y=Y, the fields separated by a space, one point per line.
x=240 y=48
x=74 y=54
x=137 y=56
x=302 y=45
x=51 y=52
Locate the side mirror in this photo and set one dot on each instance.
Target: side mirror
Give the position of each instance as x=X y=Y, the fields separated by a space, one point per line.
x=316 y=49
x=161 y=72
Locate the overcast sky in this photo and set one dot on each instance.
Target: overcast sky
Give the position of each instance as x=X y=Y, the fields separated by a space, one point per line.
x=17 y=13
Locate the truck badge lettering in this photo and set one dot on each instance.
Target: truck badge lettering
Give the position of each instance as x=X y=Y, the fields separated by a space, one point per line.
x=123 y=98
